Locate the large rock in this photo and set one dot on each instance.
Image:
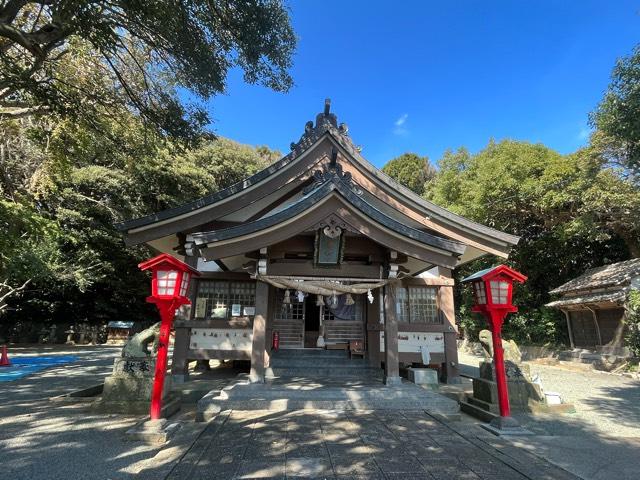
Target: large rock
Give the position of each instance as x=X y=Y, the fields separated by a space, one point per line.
x=511 y=351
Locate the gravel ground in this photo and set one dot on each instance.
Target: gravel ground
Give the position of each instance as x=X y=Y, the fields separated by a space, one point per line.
x=606 y=402
x=602 y=439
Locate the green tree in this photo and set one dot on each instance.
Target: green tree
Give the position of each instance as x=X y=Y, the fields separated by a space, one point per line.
x=617 y=117
x=57 y=216
x=56 y=56
x=632 y=319
x=411 y=170
x=558 y=205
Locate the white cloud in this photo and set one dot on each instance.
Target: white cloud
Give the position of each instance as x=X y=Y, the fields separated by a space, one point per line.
x=400 y=123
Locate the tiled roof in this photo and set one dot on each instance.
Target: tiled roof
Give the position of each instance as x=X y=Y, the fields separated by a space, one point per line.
x=615 y=274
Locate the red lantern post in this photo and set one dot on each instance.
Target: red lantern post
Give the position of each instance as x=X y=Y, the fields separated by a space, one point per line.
x=169 y=288
x=492 y=293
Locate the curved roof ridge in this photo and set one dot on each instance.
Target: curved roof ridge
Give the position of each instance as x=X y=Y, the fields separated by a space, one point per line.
x=426 y=204
x=318 y=193
x=312 y=134
x=326 y=124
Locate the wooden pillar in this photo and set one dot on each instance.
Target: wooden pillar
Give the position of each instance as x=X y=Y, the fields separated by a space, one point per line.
x=268 y=327
x=567 y=315
x=373 y=326
x=595 y=323
x=259 y=333
x=447 y=310
x=391 y=368
x=180 y=362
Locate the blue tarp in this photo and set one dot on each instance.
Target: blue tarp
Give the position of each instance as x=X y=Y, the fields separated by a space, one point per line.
x=23 y=366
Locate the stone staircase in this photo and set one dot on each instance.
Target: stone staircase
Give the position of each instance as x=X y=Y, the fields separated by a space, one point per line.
x=307 y=379
x=311 y=363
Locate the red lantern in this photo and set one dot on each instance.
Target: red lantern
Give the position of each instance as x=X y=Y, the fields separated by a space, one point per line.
x=492 y=294
x=170 y=281
x=169 y=288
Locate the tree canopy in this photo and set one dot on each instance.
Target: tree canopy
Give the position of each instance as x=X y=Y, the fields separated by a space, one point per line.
x=92 y=132
x=69 y=57
x=57 y=217
x=411 y=170
x=616 y=117
x=572 y=212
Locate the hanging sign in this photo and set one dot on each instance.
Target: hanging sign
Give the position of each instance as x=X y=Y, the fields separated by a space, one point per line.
x=201 y=308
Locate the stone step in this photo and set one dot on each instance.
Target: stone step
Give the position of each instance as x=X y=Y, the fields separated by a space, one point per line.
x=303 y=394
x=309 y=353
x=208 y=412
x=324 y=371
x=317 y=362
x=381 y=392
x=477 y=412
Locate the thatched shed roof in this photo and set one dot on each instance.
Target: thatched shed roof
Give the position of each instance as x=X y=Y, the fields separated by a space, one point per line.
x=614 y=275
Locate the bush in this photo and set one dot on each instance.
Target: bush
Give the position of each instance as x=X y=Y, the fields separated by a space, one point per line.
x=632 y=318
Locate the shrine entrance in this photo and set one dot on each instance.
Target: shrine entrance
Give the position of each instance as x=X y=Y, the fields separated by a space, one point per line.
x=302 y=321
x=311 y=322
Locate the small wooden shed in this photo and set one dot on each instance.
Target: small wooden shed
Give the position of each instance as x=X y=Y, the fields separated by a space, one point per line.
x=593 y=304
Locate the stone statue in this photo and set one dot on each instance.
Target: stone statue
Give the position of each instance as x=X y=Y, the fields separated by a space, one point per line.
x=53 y=333
x=511 y=350
x=137 y=346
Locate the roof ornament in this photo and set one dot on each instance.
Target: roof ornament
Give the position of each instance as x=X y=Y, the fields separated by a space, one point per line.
x=326 y=119
x=334 y=158
x=325 y=122
x=332 y=171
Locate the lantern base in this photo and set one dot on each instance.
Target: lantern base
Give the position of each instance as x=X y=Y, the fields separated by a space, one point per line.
x=505 y=426
x=153 y=431
x=392 y=380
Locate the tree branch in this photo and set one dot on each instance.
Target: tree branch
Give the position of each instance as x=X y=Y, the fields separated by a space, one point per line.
x=7 y=291
x=10 y=10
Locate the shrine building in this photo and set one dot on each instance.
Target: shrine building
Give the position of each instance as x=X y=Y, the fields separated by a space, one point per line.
x=325 y=250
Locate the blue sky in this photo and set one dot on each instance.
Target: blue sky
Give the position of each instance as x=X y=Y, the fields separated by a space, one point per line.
x=424 y=76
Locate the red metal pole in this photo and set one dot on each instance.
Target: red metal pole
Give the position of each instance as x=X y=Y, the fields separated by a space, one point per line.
x=496 y=320
x=167 y=312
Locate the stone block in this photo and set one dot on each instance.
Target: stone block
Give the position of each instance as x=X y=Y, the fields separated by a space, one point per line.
x=520 y=392
x=423 y=376
x=128 y=389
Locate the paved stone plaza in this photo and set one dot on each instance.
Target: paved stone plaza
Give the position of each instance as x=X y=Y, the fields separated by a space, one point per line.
x=352 y=445
x=42 y=440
